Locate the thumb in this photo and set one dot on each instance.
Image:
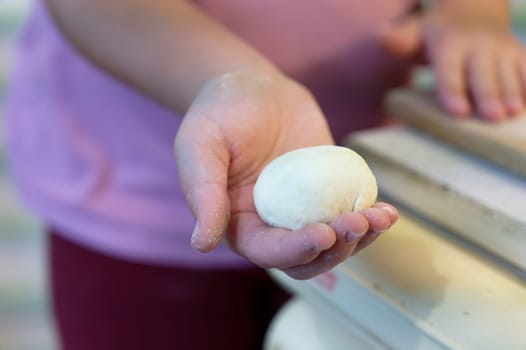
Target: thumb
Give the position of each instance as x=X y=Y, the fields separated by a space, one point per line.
x=202 y=159
x=403 y=38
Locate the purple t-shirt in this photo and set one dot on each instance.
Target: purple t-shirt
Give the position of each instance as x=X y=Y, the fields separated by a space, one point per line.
x=94 y=159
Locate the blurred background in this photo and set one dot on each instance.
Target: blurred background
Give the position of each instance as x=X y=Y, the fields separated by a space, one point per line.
x=24 y=309
x=24 y=318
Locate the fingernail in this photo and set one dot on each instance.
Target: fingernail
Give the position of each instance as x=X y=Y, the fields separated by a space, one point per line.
x=390 y=211
x=331 y=258
x=494 y=110
x=515 y=104
x=458 y=105
x=352 y=237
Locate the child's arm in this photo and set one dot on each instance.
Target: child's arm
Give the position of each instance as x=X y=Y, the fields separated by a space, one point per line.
x=149 y=43
x=473 y=52
x=241 y=112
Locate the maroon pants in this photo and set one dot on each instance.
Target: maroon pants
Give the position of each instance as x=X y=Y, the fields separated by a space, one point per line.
x=104 y=303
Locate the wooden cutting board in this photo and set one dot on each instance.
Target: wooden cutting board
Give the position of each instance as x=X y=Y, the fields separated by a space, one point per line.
x=502 y=143
x=416 y=289
x=474 y=199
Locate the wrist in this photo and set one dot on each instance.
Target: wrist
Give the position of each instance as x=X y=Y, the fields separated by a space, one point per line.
x=241 y=77
x=241 y=86
x=494 y=13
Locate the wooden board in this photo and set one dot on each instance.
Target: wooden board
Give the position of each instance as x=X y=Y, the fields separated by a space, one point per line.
x=471 y=197
x=503 y=143
x=415 y=289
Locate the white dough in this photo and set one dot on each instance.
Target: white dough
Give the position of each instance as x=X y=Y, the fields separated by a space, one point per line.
x=313 y=184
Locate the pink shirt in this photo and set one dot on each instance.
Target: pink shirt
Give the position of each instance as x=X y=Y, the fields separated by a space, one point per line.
x=94 y=159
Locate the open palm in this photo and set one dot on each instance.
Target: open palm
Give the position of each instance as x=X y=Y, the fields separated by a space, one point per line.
x=236 y=125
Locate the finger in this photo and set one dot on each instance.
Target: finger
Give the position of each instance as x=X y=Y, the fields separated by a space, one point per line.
x=510 y=82
x=202 y=160
x=378 y=225
x=379 y=219
x=522 y=74
x=404 y=38
x=270 y=247
x=375 y=220
x=350 y=226
x=448 y=65
x=391 y=211
x=324 y=262
x=485 y=86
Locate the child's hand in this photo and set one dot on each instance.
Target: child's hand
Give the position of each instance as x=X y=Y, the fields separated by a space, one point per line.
x=236 y=125
x=473 y=53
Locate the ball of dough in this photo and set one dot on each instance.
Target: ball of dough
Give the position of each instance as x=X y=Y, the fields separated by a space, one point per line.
x=313 y=184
